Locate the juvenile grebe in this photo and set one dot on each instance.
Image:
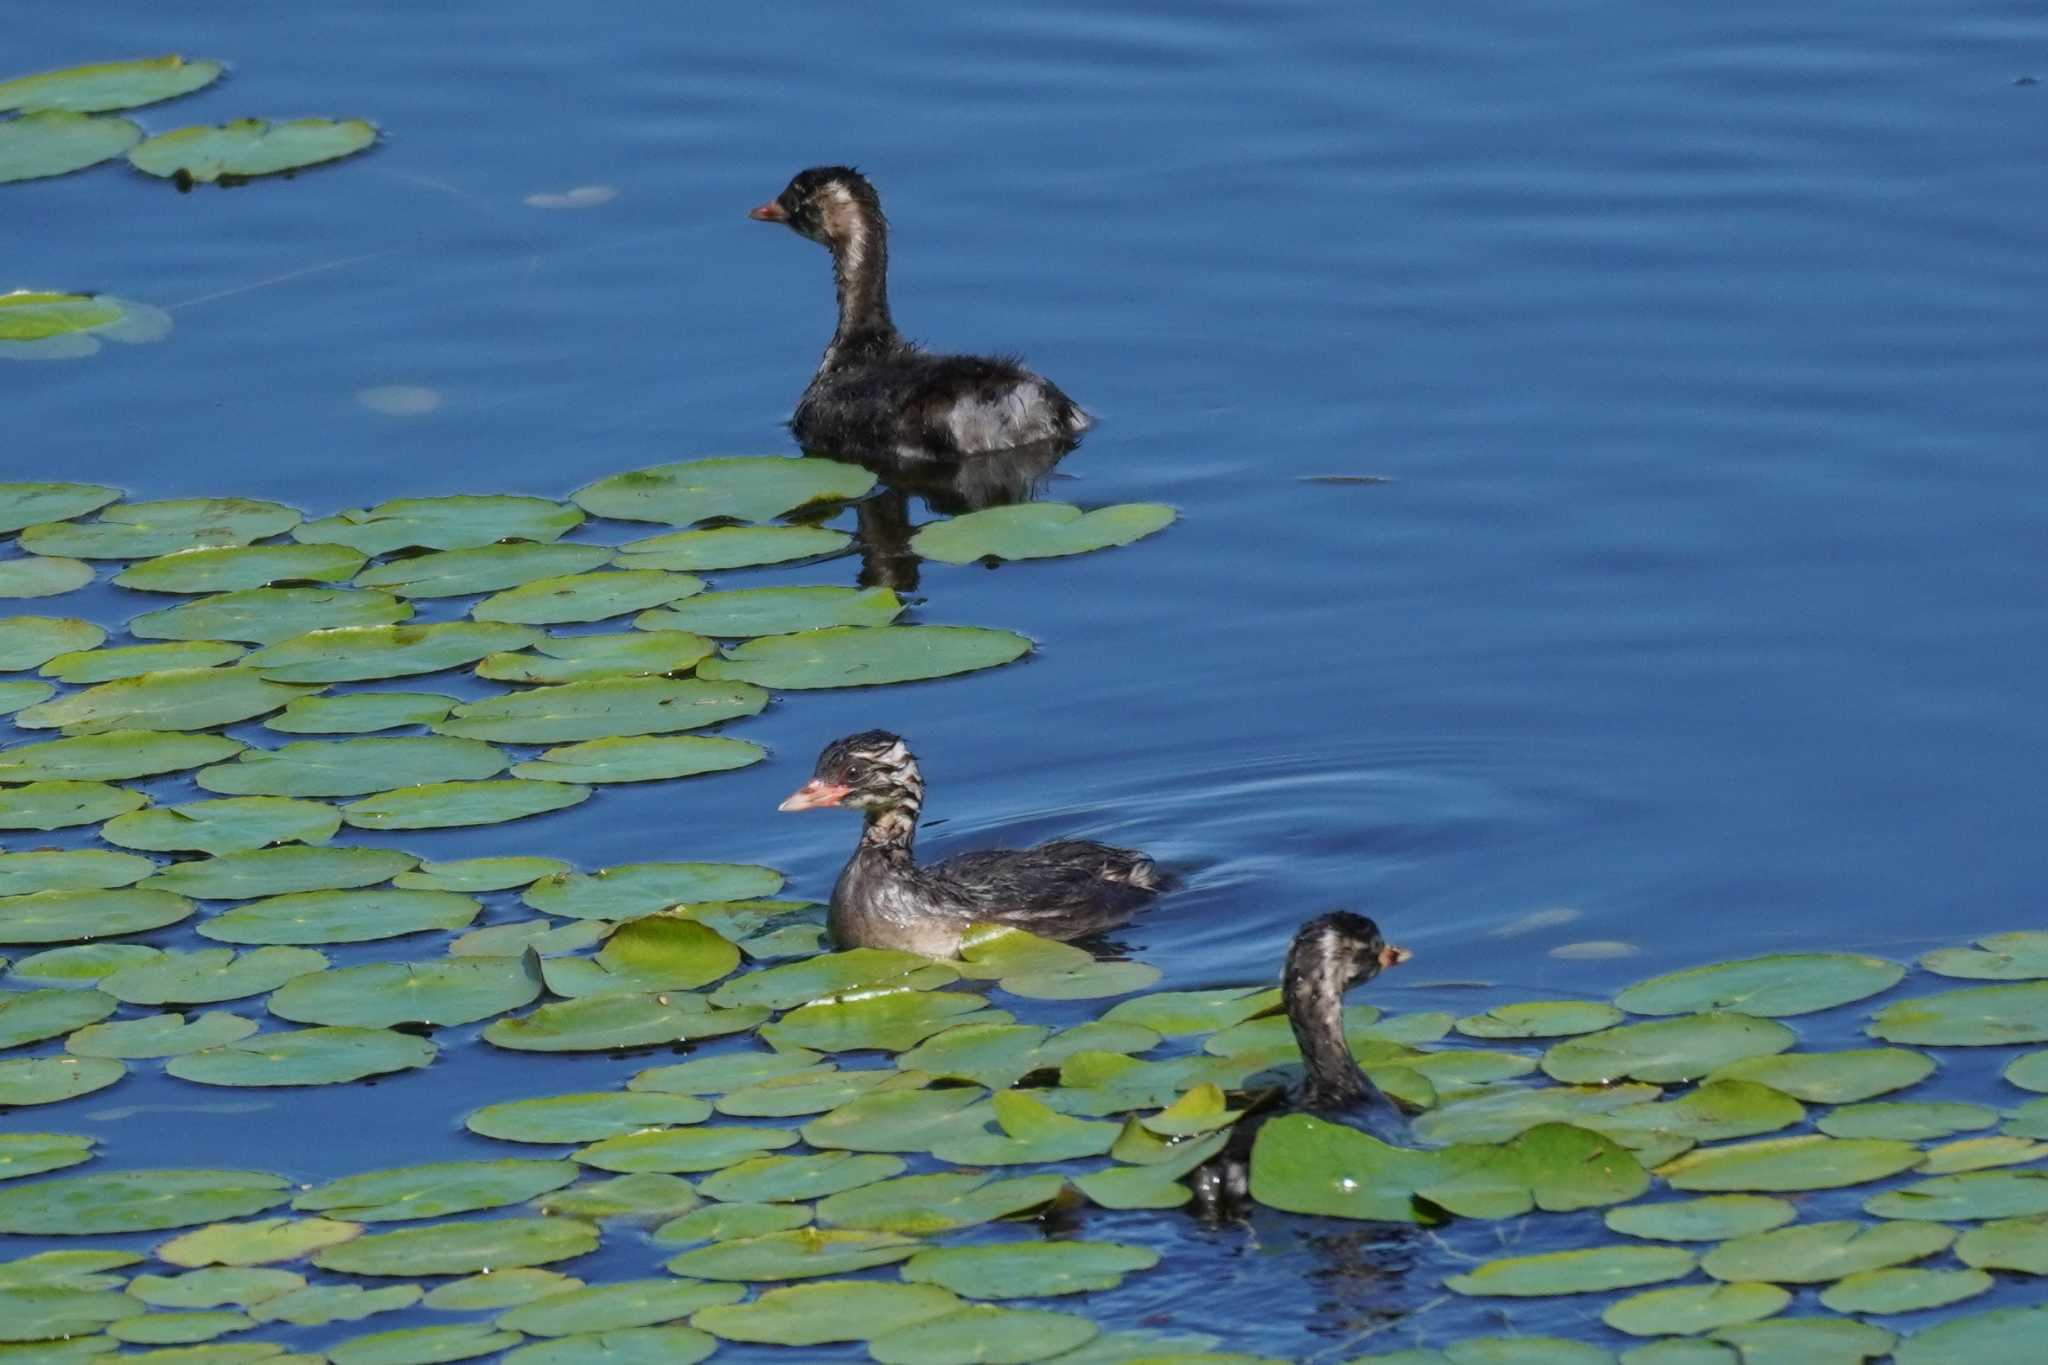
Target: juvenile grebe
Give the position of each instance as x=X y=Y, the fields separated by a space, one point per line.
x=874 y=391
x=883 y=899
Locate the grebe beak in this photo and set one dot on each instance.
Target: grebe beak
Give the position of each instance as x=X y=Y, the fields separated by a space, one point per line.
x=814 y=795
x=1390 y=956
x=770 y=212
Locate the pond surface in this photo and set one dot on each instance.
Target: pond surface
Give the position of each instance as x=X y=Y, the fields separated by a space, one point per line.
x=1691 y=609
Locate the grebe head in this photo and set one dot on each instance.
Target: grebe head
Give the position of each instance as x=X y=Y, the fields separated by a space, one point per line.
x=871 y=771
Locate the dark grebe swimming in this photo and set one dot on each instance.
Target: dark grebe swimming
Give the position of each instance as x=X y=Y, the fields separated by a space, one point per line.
x=1329 y=955
x=883 y=899
x=874 y=391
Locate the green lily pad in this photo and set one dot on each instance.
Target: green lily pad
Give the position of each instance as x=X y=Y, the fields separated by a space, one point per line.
x=51 y=142
x=1038 y=530
x=43 y=1314
x=63 y=805
x=1814 y=1253
x=1540 y=1019
x=440 y=993
x=321 y=1304
x=2002 y=957
x=609 y=1307
x=264 y=616
x=584 y=1118
x=482 y=569
x=1589 y=1270
x=658 y=953
x=498 y=1289
x=1028 y=1270
x=460 y=522
x=310 y=1056
x=1974 y=1194
x=1976 y=1154
x=891 y=1018
x=281 y=871
x=744 y=488
x=147 y=530
x=159 y=1035
x=2019 y=1244
x=626 y=1346
x=24 y=1154
x=171 y=699
x=814 y=1091
x=422 y=1345
x=232 y=567
x=47 y=326
x=674 y=1151
x=600 y=1023
x=235 y=824
x=1774 y=986
x=513 y=937
x=1808 y=1162
x=136 y=1201
x=32 y=641
x=1982 y=1016
x=829 y=975
x=799 y=1254
x=2003 y=1336
x=1711 y=1219
x=261 y=1241
x=216 y=1287
x=1832 y=1077
x=14 y=696
x=2029 y=1072
x=922 y=1205
x=1083 y=981
x=603 y=709
x=640 y=758
x=132 y=661
x=731 y=547
x=898 y=1120
x=718 y=1074
x=586 y=658
x=645 y=1195
x=25 y=504
x=994 y=1055
x=785 y=1179
x=42 y=576
x=1807 y=1341
x=108 y=85
x=1694 y=1308
x=340 y=917
x=353 y=767
x=1903 y=1290
x=1911 y=1121
x=446 y=805
x=580 y=597
x=69 y=870
x=250 y=147
x=32 y=1016
x=1157 y=1184
x=356 y=653
x=83 y=963
x=982 y=1332
x=436 y=1190
x=49 y=1080
x=360 y=712
x=70 y=916
x=864 y=656
x=633 y=890
x=1680 y=1049
x=1030 y=1132
x=1710 y=1112
x=837 y=1310
x=66 y=1270
x=481 y=874
x=730 y=1223
x=749 y=612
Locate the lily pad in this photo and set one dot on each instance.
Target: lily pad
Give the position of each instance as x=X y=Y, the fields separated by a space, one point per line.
x=422 y=1345
x=228 y=568
x=800 y=1254
x=146 y=530
x=1903 y=1290
x=2003 y=1336
x=354 y=653
x=864 y=656
x=1694 y=1308
x=360 y=712
x=445 y=805
x=1807 y=1341
x=440 y=993
x=890 y=1018
x=311 y=1056
x=25 y=1154
x=632 y=890
x=730 y=1222
x=32 y=641
x=2019 y=1244
x=1540 y=1019
x=72 y=916
x=922 y=1205
x=281 y=871
x=586 y=658
x=744 y=488
x=1037 y=530
x=132 y=661
x=609 y=1307
x=584 y=1118
x=250 y=147
x=837 y=1310
x=817 y=978
x=353 y=767
x=1912 y=1122
x=483 y=569
x=42 y=576
x=582 y=597
x=1663 y=1050
x=14 y=696
x=499 y=1289
x=51 y=142
x=462 y=1248
x=646 y=1195
x=340 y=917
x=44 y=1314
x=1714 y=1218
x=1833 y=1077
x=603 y=709
x=1030 y=1132
x=234 y=824
x=264 y=616
x=460 y=522
x=672 y=1151
x=1589 y=1270
x=731 y=547
x=1808 y=1162
x=717 y=1074
x=1088 y=981
x=321 y=1304
x=1028 y=1270
x=209 y=975
x=599 y=1023
x=170 y=699
x=262 y=1241
x=983 y=1332
x=435 y=1190
x=481 y=874
x=159 y=1035
x=2029 y=1072
x=2002 y=957
x=785 y=1179
x=1774 y=986
x=898 y=1120
x=640 y=758
x=32 y=1016
x=136 y=1201
x=1976 y=1154
x=814 y=1091
x=83 y=963
x=108 y=85
x=1974 y=1194
x=48 y=1080
x=749 y=612
x=1814 y=1253
x=215 y=1287
x=627 y=1346
x=1981 y=1016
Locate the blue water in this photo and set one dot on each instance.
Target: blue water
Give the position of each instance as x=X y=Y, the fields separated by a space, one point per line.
x=1699 y=349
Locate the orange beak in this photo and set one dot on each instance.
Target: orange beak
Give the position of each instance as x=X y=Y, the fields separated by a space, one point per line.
x=1390 y=956
x=815 y=795
x=770 y=212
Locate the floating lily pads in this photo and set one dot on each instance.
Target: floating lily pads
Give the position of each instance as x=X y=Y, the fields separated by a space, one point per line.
x=16 y=695
x=1982 y=1153
x=1590 y=1270
x=645 y=1195
x=1912 y=1122
x=112 y=756
x=921 y=1205
x=1711 y=1219
x=1900 y=1290
x=281 y=871
x=499 y=1289
x=51 y=142
x=42 y=1314
x=247 y=148
x=146 y=530
x=48 y=1080
x=169 y=699
x=602 y=709
x=73 y=916
x=1814 y=1253
x=353 y=767
x=748 y=612
x=445 y=805
x=1028 y=1270
x=2003 y=1336
x=838 y=1310
x=983 y=1332
x=311 y=1056
x=32 y=1016
x=25 y=504
x=779 y=1179
x=62 y=805
x=800 y=1254
x=1540 y=1019
x=483 y=569
x=42 y=575
x=264 y=616
x=870 y=656
x=585 y=1118
x=632 y=890
x=1774 y=986
x=1973 y=1194
x=235 y=824
x=441 y=993
x=131 y=661
x=1981 y=1016
x=136 y=1201
x=214 y=1287
x=101 y=86
x=321 y=1304
x=1808 y=1162
x=1833 y=1077
x=1694 y=1308
x=261 y=1241
x=722 y=1072
x=1178 y=1014
x=814 y=1090
x=609 y=1307
x=32 y=641
x=640 y=758
x=25 y=1154
x=889 y=1018
x=674 y=1151
x=670 y=1345
x=731 y=547
x=2019 y=1244
x=462 y=1248
x=730 y=1222
x=360 y=712
x=1037 y=530
x=354 y=653
x=898 y=1120
x=159 y=1035
x=363 y=916
x=585 y=658
x=1663 y=1050
x=581 y=597
x=435 y=1190
x=229 y=568
x=744 y=488
x=2002 y=957
x=481 y=874
x=83 y=963
x=599 y=1023
x=460 y=522
x=1712 y=1111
